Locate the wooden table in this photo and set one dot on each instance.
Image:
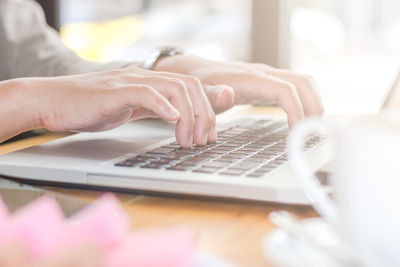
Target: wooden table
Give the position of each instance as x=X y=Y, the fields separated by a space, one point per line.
x=231 y=230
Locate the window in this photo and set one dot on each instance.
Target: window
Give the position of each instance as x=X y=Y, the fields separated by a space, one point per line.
x=351 y=47
x=104 y=30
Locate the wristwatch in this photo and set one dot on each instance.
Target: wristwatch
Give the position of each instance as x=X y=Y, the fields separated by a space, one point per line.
x=156 y=55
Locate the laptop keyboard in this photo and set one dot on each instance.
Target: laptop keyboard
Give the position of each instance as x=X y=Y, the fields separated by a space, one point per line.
x=251 y=148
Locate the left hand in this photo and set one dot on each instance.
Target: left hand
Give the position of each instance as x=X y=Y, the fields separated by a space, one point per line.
x=230 y=83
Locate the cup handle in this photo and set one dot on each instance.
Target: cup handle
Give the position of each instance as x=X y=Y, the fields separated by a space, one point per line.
x=314 y=191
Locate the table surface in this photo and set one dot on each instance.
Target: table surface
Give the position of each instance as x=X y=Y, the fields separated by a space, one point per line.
x=231 y=230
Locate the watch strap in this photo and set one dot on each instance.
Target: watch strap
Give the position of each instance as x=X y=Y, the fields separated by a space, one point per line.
x=156 y=55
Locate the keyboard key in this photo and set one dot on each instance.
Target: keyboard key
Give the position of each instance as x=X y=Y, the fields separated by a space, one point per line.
x=152 y=166
x=164 y=161
x=177 y=155
x=244 y=152
x=280 y=161
x=194 y=161
x=191 y=150
x=211 y=145
x=179 y=168
x=225 y=159
x=255 y=174
x=235 y=155
x=263 y=169
x=149 y=155
x=124 y=163
x=162 y=150
x=132 y=162
x=217 y=151
x=283 y=157
x=244 y=165
x=271 y=164
x=172 y=146
x=223 y=148
x=205 y=170
x=216 y=164
x=254 y=146
x=257 y=159
x=232 y=172
x=209 y=154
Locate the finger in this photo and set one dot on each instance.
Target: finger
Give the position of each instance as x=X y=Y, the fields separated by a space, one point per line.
x=221 y=97
x=203 y=114
x=306 y=88
x=142 y=113
x=259 y=88
x=177 y=93
x=286 y=94
x=150 y=99
x=212 y=134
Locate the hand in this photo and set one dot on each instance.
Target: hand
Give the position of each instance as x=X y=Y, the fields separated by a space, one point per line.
x=227 y=84
x=104 y=100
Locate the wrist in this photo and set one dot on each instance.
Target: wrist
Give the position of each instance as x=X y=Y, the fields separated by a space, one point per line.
x=18 y=108
x=182 y=64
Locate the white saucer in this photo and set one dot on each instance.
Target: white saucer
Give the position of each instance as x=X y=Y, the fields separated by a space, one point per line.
x=204 y=259
x=283 y=250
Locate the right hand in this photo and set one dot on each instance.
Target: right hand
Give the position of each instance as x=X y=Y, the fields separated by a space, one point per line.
x=104 y=100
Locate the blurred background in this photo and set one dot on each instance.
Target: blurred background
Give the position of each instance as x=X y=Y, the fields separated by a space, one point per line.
x=350 y=47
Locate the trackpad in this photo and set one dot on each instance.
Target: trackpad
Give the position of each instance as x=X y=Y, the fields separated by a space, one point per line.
x=107 y=145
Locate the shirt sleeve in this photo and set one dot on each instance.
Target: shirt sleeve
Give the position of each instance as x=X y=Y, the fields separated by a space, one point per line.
x=31 y=48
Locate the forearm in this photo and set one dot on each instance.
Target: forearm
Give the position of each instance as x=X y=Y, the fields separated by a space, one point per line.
x=17 y=108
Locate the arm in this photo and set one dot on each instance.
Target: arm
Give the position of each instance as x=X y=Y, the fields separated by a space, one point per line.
x=29 y=47
x=17 y=114
x=101 y=101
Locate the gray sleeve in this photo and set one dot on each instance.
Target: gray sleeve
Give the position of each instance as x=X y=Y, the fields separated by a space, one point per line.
x=29 y=47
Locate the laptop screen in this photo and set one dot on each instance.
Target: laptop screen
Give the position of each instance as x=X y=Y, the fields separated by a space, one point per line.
x=392 y=100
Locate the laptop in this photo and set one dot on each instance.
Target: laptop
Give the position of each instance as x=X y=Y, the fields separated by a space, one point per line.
x=248 y=162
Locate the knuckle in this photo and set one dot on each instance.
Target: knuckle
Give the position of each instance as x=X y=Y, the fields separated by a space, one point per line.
x=193 y=82
x=305 y=79
x=159 y=101
x=146 y=89
x=177 y=85
x=289 y=88
x=157 y=79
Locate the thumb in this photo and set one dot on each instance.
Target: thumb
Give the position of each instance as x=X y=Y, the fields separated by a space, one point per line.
x=221 y=97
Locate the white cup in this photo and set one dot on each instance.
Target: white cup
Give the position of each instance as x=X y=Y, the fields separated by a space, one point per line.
x=365 y=183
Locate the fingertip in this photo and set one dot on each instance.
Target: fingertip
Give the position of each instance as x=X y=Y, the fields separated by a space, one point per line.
x=294 y=118
x=225 y=98
x=212 y=135
x=222 y=97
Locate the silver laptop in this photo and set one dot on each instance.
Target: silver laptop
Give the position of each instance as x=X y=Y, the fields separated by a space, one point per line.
x=249 y=161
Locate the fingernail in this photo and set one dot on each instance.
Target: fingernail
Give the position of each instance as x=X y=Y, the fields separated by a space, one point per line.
x=173 y=114
x=213 y=134
x=218 y=99
x=204 y=139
